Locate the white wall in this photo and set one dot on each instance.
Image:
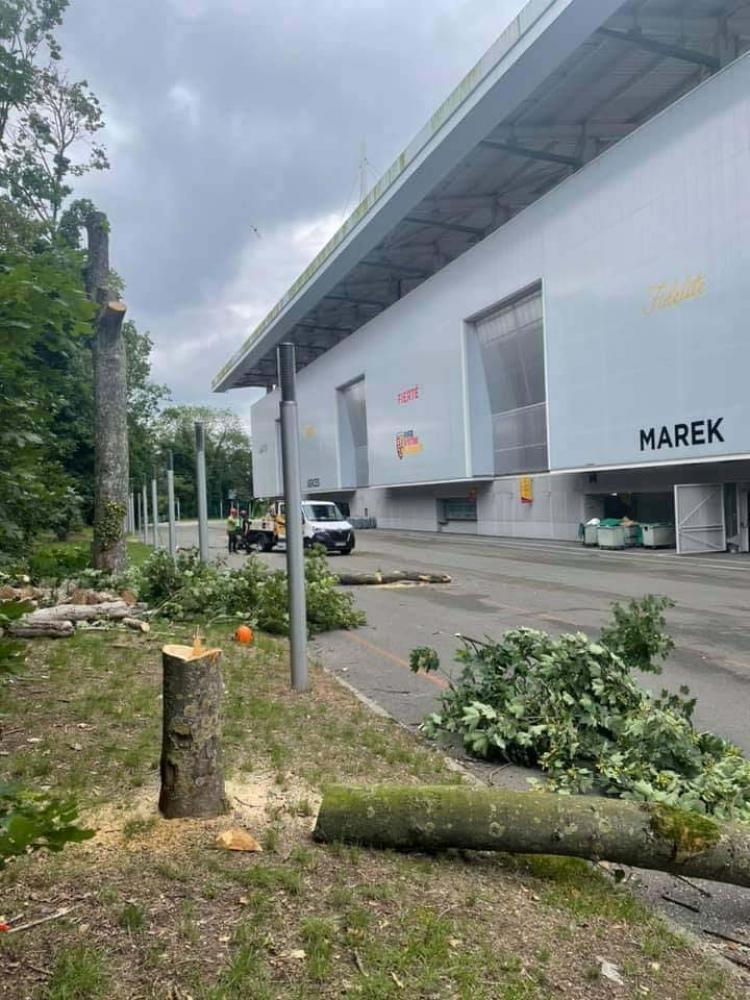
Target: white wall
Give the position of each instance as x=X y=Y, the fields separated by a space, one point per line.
x=670 y=201
x=556 y=511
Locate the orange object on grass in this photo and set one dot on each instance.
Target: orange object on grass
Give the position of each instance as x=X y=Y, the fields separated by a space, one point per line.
x=244 y=634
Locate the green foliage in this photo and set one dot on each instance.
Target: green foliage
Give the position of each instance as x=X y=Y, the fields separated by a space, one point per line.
x=44 y=318
x=108 y=527
x=424 y=658
x=12 y=652
x=56 y=562
x=25 y=26
x=51 y=140
x=187 y=589
x=228 y=454
x=637 y=634
x=34 y=822
x=145 y=399
x=572 y=707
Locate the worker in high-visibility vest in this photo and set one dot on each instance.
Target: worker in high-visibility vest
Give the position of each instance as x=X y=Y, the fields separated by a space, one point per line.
x=233 y=527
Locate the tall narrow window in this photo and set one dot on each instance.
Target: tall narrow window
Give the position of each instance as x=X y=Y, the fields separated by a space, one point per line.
x=355 y=463
x=511 y=341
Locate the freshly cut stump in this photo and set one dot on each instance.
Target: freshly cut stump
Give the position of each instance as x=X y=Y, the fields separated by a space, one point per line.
x=192 y=780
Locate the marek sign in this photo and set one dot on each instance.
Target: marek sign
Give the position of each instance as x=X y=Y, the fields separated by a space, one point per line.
x=697 y=432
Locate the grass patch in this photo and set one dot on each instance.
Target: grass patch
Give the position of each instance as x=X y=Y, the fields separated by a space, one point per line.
x=272 y=879
x=138 y=827
x=301 y=920
x=132 y=918
x=79 y=973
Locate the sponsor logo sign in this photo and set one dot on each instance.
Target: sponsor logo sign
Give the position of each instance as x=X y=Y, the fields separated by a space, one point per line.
x=669 y=294
x=407 y=443
x=408 y=395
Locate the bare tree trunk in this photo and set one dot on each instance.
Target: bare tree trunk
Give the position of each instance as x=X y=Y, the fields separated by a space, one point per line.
x=110 y=395
x=110 y=610
x=192 y=781
x=645 y=835
x=40 y=629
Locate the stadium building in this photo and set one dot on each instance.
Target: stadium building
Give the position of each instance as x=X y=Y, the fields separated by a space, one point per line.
x=541 y=312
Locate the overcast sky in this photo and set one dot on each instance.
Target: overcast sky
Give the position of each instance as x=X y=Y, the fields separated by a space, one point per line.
x=227 y=117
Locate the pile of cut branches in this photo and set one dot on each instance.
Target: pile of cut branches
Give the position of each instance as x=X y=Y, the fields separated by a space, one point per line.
x=572 y=707
x=186 y=589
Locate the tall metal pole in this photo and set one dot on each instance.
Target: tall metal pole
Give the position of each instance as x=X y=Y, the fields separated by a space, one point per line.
x=139 y=500
x=200 y=485
x=131 y=512
x=145 y=514
x=170 y=506
x=295 y=556
x=179 y=515
x=155 y=509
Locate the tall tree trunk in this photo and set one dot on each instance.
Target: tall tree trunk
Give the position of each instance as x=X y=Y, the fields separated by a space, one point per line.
x=110 y=398
x=645 y=835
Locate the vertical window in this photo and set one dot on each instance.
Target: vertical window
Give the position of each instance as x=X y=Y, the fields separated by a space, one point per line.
x=511 y=341
x=353 y=435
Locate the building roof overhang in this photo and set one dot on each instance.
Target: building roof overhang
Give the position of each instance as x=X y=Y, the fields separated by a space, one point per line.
x=564 y=82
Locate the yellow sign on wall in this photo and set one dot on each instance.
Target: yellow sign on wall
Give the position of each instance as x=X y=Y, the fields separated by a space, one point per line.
x=666 y=295
x=526 y=489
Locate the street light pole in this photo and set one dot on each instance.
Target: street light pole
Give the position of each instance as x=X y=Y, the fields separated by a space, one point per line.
x=145 y=514
x=295 y=556
x=200 y=482
x=155 y=508
x=170 y=506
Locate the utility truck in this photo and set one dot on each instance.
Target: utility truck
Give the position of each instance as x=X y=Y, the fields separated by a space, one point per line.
x=322 y=524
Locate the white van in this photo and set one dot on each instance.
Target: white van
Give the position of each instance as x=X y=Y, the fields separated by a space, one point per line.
x=322 y=524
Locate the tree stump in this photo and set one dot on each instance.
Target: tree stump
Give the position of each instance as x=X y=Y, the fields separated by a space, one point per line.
x=192 y=780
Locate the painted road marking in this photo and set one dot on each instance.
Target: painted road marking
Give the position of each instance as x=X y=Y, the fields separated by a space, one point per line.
x=432 y=678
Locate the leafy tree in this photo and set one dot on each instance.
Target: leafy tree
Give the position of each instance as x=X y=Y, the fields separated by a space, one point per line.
x=145 y=399
x=229 y=464
x=25 y=27
x=53 y=141
x=44 y=316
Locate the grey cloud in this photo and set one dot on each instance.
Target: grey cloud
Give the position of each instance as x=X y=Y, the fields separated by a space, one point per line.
x=234 y=113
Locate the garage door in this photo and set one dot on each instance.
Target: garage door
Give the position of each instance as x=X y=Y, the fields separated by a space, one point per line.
x=699 y=512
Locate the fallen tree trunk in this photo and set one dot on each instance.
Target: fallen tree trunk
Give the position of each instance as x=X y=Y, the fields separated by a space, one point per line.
x=137 y=624
x=395 y=576
x=81 y=612
x=40 y=630
x=644 y=835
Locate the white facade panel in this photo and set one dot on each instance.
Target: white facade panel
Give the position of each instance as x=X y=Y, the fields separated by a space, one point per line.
x=634 y=374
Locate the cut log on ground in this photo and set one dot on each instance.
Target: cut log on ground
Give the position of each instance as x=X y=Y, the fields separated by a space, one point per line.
x=137 y=624
x=644 y=835
x=40 y=630
x=394 y=576
x=113 y=610
x=192 y=781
